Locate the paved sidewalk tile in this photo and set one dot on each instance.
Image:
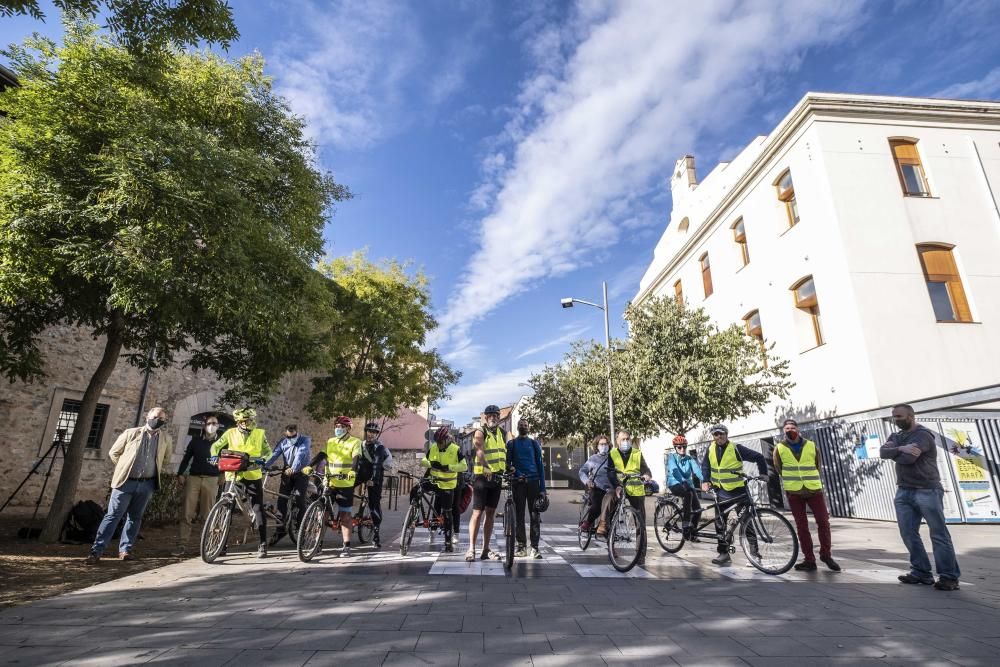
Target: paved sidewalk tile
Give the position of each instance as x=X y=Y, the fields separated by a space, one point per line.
x=383 y=640
x=527 y=644
x=492 y=624
x=463 y=642
x=317 y=640
x=203 y=657
x=423 y=658
x=341 y=658
x=266 y=658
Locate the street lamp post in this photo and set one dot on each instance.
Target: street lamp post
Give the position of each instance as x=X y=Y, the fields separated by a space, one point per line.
x=568 y=303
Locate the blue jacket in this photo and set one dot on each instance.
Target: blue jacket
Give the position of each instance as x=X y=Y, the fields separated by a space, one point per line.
x=296 y=454
x=524 y=455
x=682 y=470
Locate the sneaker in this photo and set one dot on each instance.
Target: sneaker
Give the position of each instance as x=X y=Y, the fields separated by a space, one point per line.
x=490 y=555
x=454 y=539
x=449 y=547
x=722 y=560
x=602 y=529
x=830 y=563
x=92 y=559
x=520 y=553
x=535 y=553
x=470 y=556
x=345 y=552
x=584 y=526
x=910 y=579
x=377 y=543
x=946 y=584
x=124 y=555
x=262 y=551
x=806 y=566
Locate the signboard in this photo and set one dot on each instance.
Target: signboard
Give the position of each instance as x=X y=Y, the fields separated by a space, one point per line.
x=952 y=507
x=868 y=448
x=975 y=488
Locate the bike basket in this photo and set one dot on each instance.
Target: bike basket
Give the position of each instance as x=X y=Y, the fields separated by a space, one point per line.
x=233 y=461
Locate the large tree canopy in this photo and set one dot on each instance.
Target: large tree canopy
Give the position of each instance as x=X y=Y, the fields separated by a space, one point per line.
x=374 y=357
x=144 y=25
x=176 y=208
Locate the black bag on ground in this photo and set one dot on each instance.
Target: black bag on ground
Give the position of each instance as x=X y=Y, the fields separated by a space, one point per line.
x=82 y=523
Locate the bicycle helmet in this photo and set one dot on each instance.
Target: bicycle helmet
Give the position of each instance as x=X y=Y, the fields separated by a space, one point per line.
x=680 y=440
x=491 y=410
x=718 y=428
x=343 y=421
x=371 y=426
x=442 y=434
x=247 y=414
x=541 y=504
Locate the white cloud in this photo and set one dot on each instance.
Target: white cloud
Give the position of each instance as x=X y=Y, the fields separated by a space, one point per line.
x=571 y=335
x=986 y=88
x=618 y=90
x=497 y=388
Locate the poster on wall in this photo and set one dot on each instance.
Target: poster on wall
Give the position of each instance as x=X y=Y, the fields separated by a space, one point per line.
x=952 y=505
x=976 y=489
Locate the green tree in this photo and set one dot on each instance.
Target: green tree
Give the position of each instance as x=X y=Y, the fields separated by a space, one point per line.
x=679 y=370
x=143 y=25
x=374 y=357
x=176 y=209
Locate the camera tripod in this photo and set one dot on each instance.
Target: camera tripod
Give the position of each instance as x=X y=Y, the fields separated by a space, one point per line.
x=57 y=447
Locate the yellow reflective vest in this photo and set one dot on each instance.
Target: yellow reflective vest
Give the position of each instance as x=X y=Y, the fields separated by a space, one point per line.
x=444 y=479
x=633 y=487
x=494 y=451
x=340 y=453
x=254 y=444
x=797 y=473
x=724 y=472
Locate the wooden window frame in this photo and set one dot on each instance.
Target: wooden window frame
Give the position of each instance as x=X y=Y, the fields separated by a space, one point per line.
x=909 y=160
x=950 y=277
x=679 y=292
x=810 y=306
x=787 y=197
x=706 y=274
x=683 y=225
x=741 y=239
x=757 y=333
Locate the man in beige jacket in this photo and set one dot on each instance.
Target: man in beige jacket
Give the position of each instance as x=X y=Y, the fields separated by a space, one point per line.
x=138 y=455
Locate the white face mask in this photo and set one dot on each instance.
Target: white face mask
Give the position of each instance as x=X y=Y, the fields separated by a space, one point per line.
x=625 y=446
x=292 y=438
x=211 y=429
x=340 y=431
x=602 y=449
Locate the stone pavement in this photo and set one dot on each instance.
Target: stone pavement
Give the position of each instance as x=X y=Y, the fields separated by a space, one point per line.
x=570 y=608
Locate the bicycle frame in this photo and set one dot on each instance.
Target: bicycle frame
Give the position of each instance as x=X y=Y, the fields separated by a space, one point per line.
x=746 y=505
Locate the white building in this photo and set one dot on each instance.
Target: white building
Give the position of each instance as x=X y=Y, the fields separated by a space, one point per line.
x=862 y=238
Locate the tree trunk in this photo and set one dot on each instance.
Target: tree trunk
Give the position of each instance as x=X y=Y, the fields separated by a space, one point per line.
x=69 y=478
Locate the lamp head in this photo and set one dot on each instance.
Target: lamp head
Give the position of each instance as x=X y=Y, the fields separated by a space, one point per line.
x=566 y=303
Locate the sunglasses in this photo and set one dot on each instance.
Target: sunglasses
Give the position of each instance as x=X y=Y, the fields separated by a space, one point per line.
x=680 y=446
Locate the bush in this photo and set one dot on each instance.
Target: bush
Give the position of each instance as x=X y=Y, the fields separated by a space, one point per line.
x=166 y=505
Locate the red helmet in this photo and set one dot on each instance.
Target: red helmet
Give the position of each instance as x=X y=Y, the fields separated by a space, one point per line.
x=442 y=434
x=343 y=421
x=680 y=440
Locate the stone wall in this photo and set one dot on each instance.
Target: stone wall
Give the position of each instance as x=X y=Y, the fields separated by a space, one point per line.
x=28 y=414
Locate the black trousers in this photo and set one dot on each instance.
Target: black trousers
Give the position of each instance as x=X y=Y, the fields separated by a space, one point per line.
x=255 y=494
x=729 y=502
x=689 y=498
x=375 y=504
x=443 y=500
x=296 y=486
x=527 y=492
x=456 y=516
x=639 y=503
x=596 y=500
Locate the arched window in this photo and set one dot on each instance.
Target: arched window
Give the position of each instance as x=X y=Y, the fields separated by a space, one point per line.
x=944 y=284
x=786 y=195
x=807 y=313
x=679 y=293
x=908 y=167
x=754 y=329
x=683 y=226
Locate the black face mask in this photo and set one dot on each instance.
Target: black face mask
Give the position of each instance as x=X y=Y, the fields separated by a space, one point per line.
x=155 y=423
x=522 y=431
x=902 y=424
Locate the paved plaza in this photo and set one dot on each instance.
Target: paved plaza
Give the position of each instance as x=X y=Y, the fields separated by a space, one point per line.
x=571 y=608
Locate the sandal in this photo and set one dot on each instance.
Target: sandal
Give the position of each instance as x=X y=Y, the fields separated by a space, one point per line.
x=470 y=556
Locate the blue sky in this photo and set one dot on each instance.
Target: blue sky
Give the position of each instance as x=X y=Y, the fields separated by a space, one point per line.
x=520 y=153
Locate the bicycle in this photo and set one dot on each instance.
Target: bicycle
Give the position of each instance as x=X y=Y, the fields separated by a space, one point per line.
x=362 y=522
x=421 y=512
x=320 y=514
x=234 y=497
x=584 y=536
x=287 y=525
x=626 y=531
x=765 y=535
x=507 y=481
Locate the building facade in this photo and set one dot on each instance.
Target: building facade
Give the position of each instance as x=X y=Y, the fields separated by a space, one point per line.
x=859 y=238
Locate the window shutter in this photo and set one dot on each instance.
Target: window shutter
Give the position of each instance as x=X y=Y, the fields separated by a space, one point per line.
x=906 y=152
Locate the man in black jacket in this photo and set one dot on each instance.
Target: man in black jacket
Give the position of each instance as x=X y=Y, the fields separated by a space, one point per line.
x=201 y=485
x=375 y=458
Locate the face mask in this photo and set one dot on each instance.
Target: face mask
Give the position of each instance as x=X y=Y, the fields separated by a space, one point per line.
x=292 y=438
x=902 y=424
x=792 y=435
x=340 y=431
x=155 y=423
x=211 y=429
x=603 y=449
x=625 y=446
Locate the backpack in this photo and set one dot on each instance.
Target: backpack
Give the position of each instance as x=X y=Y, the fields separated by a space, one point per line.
x=82 y=523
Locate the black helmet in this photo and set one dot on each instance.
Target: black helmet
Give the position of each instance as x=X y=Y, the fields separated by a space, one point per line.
x=491 y=410
x=541 y=503
x=371 y=426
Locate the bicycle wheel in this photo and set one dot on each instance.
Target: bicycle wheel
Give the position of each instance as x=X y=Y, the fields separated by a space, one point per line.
x=409 y=527
x=625 y=538
x=216 y=530
x=310 y=539
x=292 y=524
x=508 y=533
x=583 y=536
x=668 y=528
x=366 y=528
x=769 y=541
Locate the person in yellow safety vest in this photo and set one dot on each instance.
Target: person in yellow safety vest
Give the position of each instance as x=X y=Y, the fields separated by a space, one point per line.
x=628 y=460
x=247 y=438
x=722 y=461
x=341 y=456
x=445 y=460
x=797 y=461
x=490 y=457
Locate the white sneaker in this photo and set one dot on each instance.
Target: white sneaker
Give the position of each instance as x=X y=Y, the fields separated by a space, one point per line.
x=345 y=552
x=454 y=539
x=535 y=553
